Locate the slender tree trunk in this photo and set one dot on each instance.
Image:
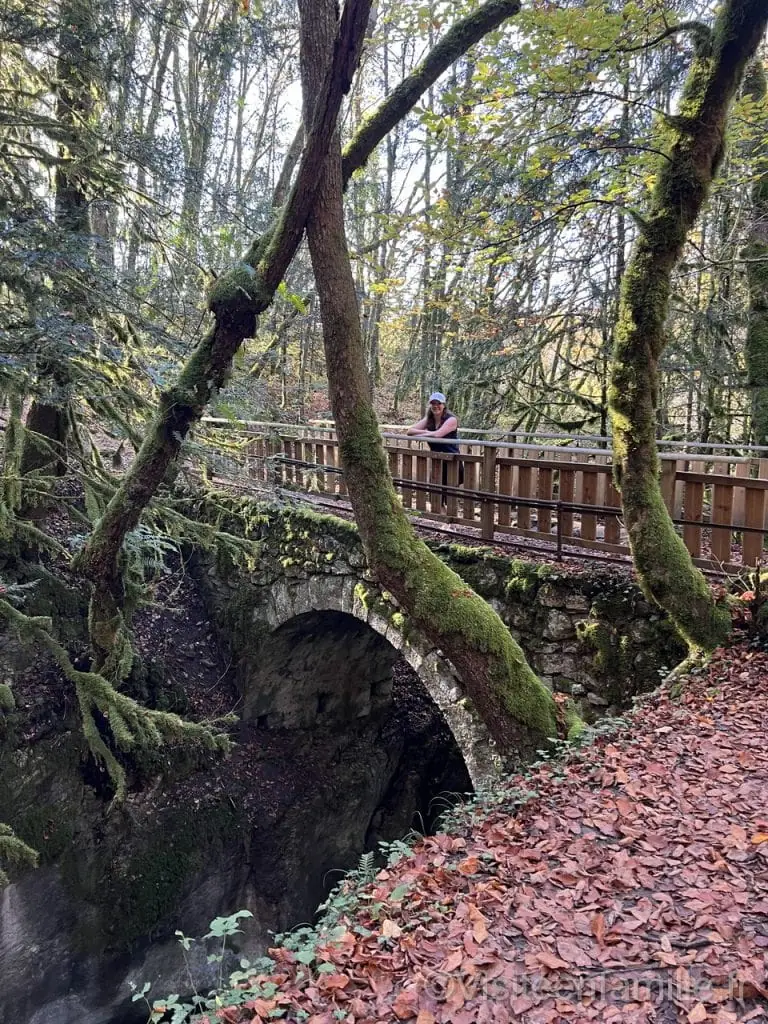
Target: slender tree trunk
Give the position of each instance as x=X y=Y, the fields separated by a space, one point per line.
x=48 y=420
x=756 y=256
x=518 y=709
x=697 y=136
x=236 y=301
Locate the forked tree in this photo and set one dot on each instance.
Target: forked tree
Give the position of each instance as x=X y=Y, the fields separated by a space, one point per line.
x=519 y=710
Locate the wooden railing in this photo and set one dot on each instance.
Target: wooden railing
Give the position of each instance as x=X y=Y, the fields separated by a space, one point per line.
x=560 y=494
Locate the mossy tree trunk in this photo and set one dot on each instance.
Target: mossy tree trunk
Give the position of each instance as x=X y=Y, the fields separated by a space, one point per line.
x=247 y=290
x=235 y=300
x=696 y=144
x=756 y=256
x=517 y=707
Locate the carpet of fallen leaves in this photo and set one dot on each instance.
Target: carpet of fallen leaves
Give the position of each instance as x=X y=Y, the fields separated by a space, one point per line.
x=632 y=887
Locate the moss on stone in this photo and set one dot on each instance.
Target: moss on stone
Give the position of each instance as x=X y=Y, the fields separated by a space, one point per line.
x=438 y=600
x=137 y=893
x=525 y=578
x=7 y=701
x=612 y=656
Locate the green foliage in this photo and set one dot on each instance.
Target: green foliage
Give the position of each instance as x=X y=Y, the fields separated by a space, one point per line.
x=13 y=853
x=130 y=725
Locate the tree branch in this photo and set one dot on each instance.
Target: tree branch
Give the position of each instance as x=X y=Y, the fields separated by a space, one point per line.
x=236 y=299
x=455 y=42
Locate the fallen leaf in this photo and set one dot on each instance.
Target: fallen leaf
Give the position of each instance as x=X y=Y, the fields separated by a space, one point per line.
x=597 y=924
x=552 y=961
x=479 y=926
x=406 y=1004
x=572 y=953
x=334 y=981
x=453 y=961
x=469 y=866
x=390 y=930
x=697 y=1014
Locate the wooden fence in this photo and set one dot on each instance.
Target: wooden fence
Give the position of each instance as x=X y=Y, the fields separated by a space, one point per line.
x=560 y=494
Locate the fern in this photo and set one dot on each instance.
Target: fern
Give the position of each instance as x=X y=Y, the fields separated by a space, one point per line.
x=146 y=552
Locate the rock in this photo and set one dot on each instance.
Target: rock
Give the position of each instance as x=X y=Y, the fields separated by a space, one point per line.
x=556 y=664
x=597 y=700
x=577 y=603
x=559 y=626
x=550 y=596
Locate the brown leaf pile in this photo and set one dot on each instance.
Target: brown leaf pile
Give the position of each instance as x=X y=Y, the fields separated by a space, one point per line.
x=633 y=888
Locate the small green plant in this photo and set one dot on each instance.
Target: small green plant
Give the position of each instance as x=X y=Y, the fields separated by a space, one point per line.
x=173 y=1009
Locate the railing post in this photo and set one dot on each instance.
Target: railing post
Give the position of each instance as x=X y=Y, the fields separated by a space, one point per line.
x=488 y=505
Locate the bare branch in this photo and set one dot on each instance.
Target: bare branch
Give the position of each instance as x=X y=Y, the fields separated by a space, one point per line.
x=455 y=42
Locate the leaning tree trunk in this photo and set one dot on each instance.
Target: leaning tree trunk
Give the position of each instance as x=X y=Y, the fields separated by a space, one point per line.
x=697 y=135
x=247 y=290
x=756 y=256
x=236 y=300
x=515 y=704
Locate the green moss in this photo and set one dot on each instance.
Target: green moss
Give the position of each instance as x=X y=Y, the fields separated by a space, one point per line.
x=438 y=600
x=13 y=853
x=7 y=701
x=665 y=571
x=525 y=578
x=239 y=288
x=574 y=724
x=139 y=893
x=613 y=657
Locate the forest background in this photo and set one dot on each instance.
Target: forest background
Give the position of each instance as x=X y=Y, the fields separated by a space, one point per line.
x=145 y=145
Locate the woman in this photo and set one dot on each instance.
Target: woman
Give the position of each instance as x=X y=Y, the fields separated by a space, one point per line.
x=440 y=422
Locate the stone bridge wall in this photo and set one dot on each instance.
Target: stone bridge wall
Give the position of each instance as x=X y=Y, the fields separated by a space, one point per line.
x=587 y=631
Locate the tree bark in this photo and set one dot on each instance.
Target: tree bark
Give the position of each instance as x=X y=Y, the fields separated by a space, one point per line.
x=455 y=42
x=236 y=300
x=247 y=290
x=48 y=420
x=696 y=136
x=516 y=706
x=756 y=256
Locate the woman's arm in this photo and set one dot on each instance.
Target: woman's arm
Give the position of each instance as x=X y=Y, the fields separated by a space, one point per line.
x=450 y=424
x=418 y=428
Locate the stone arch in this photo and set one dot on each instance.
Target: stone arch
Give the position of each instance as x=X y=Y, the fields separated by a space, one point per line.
x=351 y=598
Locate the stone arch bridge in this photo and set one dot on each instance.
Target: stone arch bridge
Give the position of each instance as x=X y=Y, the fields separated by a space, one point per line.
x=314 y=640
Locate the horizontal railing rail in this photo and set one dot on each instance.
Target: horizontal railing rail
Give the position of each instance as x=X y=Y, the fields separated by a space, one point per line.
x=562 y=495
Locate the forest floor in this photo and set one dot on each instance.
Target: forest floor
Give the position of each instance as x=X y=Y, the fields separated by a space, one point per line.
x=628 y=882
